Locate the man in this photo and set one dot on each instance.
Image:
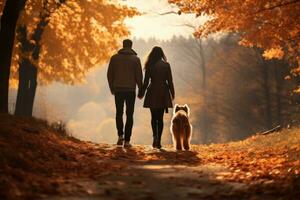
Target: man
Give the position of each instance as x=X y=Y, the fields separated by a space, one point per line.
x=123 y=74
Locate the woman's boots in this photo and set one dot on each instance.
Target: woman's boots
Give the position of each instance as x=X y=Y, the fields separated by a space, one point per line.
x=157 y=142
x=157 y=128
x=154 y=144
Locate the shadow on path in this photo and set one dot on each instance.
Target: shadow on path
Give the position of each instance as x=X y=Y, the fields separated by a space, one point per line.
x=148 y=174
x=146 y=155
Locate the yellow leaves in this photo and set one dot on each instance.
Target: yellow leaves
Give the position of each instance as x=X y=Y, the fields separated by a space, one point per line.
x=245 y=43
x=271 y=25
x=1 y=7
x=297 y=90
x=275 y=52
x=78 y=36
x=296 y=71
x=13 y=83
x=222 y=175
x=294 y=32
x=58 y=160
x=271 y=157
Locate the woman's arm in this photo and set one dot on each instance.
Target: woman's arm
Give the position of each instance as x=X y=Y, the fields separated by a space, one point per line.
x=145 y=84
x=170 y=82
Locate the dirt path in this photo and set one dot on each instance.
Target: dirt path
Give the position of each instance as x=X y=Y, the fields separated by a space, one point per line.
x=173 y=176
x=38 y=163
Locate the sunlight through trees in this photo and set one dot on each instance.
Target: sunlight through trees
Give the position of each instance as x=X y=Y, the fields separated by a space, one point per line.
x=78 y=35
x=62 y=40
x=268 y=24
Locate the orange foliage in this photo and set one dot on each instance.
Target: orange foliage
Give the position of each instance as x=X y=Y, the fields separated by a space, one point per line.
x=1 y=6
x=273 y=25
x=44 y=162
x=79 y=36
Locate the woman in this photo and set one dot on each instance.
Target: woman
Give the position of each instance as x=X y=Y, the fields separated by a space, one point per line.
x=160 y=92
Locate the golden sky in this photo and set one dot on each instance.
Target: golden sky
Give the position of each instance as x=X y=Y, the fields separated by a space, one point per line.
x=152 y=24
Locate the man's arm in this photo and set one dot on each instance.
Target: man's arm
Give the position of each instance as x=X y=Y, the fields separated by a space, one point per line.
x=110 y=75
x=139 y=75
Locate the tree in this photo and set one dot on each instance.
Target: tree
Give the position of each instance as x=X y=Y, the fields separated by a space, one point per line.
x=62 y=41
x=9 y=18
x=30 y=52
x=268 y=24
x=264 y=66
x=2 y=3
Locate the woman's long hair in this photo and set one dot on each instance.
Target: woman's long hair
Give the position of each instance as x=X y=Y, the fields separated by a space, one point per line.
x=154 y=56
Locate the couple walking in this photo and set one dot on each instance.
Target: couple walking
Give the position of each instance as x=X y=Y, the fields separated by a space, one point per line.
x=125 y=73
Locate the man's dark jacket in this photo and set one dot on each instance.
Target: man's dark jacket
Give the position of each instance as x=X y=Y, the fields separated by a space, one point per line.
x=124 y=71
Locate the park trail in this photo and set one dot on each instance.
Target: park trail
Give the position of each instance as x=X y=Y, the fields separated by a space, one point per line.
x=38 y=161
x=176 y=175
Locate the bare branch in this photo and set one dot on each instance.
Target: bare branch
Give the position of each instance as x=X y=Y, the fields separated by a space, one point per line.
x=168 y=13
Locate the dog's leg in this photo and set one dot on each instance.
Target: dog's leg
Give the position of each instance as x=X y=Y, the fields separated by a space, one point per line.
x=186 y=144
x=186 y=141
x=178 y=142
x=176 y=136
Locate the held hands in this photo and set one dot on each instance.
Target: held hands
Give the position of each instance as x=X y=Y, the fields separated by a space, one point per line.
x=140 y=95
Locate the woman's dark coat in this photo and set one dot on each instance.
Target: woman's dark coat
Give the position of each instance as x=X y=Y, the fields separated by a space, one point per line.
x=160 y=91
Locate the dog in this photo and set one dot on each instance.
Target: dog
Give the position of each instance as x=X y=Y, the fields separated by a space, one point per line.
x=181 y=128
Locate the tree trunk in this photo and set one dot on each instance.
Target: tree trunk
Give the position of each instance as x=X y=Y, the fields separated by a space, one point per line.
x=203 y=66
x=27 y=75
x=278 y=85
x=9 y=20
x=27 y=69
x=266 y=89
x=26 y=89
x=203 y=114
x=32 y=90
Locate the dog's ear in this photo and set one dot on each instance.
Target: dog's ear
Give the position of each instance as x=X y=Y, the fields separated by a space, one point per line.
x=186 y=109
x=176 y=108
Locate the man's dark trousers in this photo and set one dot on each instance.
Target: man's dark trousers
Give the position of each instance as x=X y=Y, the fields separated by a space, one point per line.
x=127 y=97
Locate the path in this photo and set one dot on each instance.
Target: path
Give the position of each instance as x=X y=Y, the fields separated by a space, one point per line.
x=174 y=176
x=38 y=163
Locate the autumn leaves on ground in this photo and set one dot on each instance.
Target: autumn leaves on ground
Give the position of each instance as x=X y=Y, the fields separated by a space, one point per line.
x=37 y=162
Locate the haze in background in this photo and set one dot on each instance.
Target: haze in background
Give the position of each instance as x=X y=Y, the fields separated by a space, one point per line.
x=88 y=109
x=235 y=102
x=155 y=23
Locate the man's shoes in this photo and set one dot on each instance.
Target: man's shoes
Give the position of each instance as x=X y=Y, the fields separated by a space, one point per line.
x=154 y=144
x=158 y=146
x=158 y=143
x=120 y=140
x=127 y=144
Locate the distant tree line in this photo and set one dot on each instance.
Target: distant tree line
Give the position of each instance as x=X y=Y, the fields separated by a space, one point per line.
x=235 y=91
